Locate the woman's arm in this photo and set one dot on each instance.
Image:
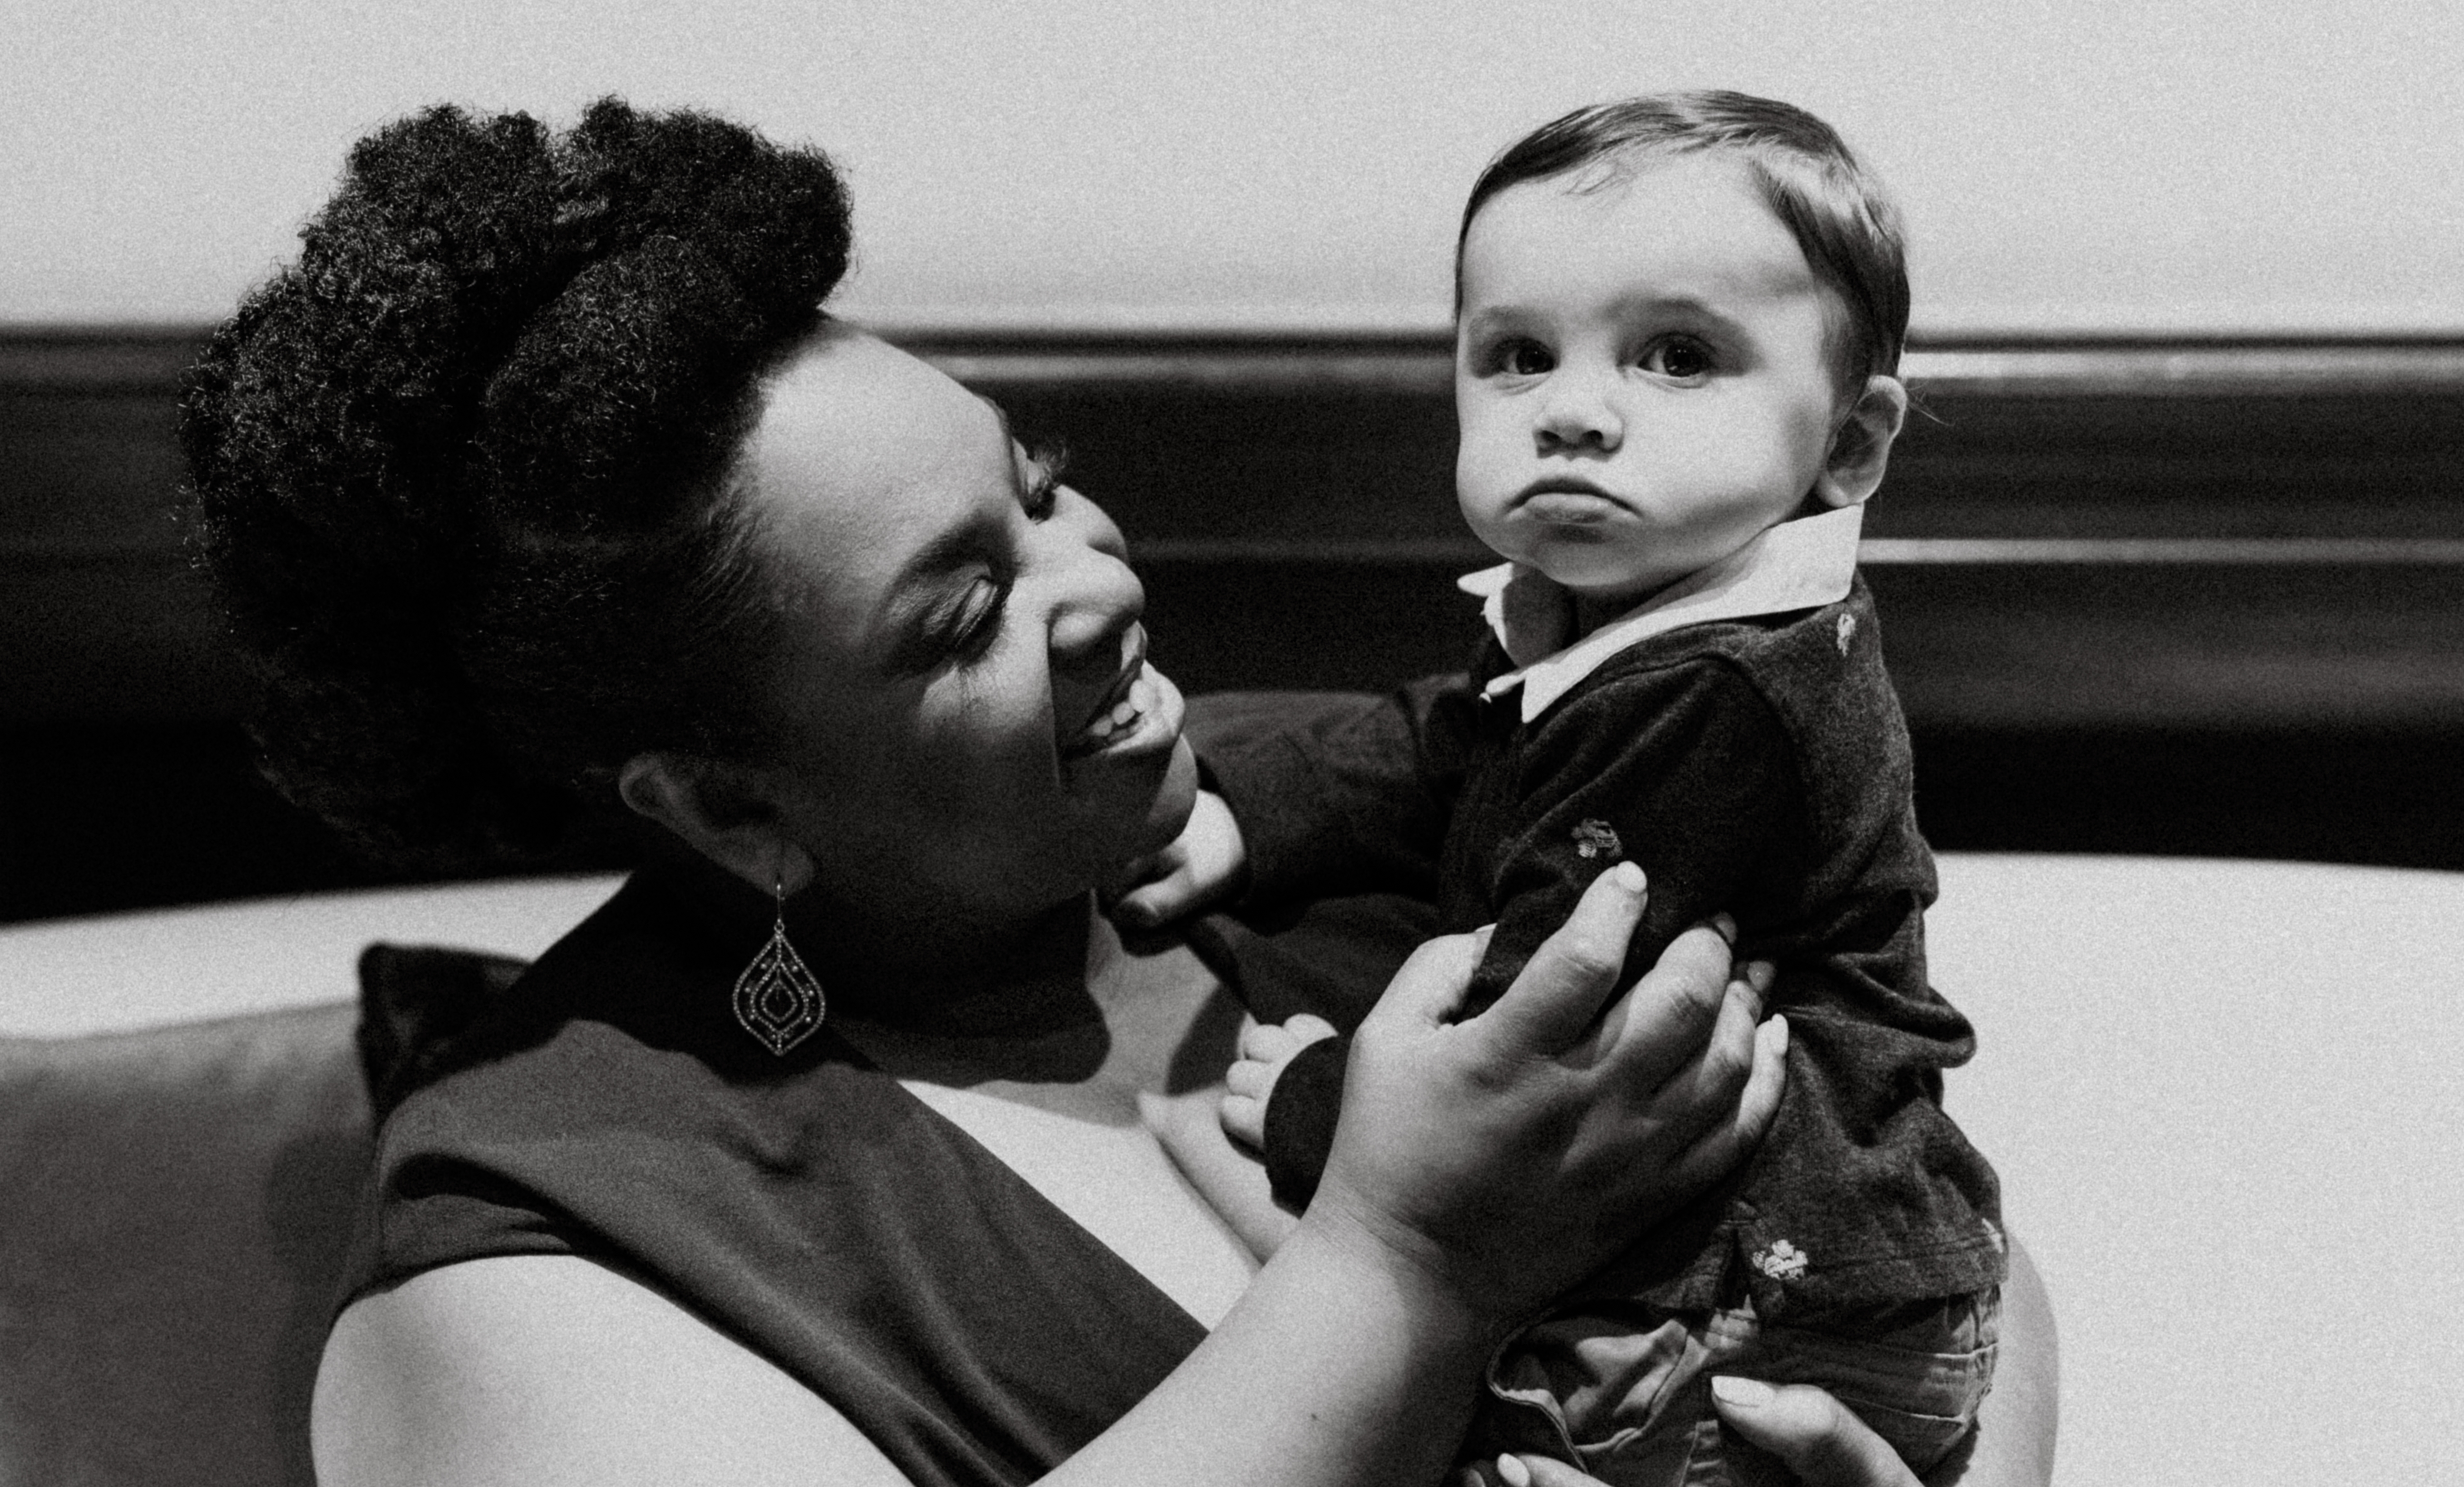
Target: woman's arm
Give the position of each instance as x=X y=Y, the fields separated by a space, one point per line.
x=549 y=1369
x=1486 y=1164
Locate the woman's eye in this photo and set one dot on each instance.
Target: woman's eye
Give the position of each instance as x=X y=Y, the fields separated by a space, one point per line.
x=1524 y=358
x=1040 y=490
x=976 y=620
x=1679 y=357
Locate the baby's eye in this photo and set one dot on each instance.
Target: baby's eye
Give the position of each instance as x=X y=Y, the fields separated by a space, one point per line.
x=1682 y=357
x=1521 y=359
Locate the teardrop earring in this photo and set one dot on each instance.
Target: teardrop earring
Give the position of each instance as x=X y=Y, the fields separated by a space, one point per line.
x=776 y=998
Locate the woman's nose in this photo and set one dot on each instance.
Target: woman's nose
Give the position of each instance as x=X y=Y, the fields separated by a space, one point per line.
x=1578 y=411
x=1097 y=596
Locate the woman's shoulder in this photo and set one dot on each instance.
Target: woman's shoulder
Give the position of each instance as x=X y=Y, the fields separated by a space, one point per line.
x=550 y=1368
x=807 y=1206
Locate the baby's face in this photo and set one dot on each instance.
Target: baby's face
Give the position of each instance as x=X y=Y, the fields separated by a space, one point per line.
x=1639 y=376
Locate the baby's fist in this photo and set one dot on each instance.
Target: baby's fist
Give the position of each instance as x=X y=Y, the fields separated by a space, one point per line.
x=1265 y=1047
x=1202 y=867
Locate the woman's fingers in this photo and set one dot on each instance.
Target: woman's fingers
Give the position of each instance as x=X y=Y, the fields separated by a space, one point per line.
x=1554 y=1001
x=1432 y=982
x=1820 y=1440
x=1541 y=1472
x=1711 y=1073
x=1661 y=1025
x=1741 y=1126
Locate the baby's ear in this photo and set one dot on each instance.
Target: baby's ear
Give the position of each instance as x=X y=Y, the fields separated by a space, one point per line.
x=1861 y=448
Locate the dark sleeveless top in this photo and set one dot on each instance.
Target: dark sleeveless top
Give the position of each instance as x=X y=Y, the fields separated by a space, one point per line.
x=608 y=1106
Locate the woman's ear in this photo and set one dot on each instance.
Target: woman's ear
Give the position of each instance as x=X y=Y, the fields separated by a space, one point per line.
x=727 y=813
x=1860 y=448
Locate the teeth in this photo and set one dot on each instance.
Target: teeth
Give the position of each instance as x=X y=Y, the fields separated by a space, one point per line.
x=1134 y=704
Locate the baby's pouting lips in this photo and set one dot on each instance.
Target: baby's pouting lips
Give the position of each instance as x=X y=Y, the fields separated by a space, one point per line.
x=1567 y=501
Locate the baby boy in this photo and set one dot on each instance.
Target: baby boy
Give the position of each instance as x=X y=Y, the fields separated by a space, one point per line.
x=1679 y=321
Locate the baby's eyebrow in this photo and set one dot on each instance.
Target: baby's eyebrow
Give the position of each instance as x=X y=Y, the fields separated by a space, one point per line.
x=1482 y=322
x=1693 y=305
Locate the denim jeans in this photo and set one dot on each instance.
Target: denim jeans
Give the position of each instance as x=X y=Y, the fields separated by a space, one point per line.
x=1623 y=1391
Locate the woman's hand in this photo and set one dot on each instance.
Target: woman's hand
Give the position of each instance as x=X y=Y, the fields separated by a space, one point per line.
x=1820 y=1439
x=1510 y=1154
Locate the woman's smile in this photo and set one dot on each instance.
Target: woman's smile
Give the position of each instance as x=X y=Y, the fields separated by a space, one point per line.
x=1140 y=716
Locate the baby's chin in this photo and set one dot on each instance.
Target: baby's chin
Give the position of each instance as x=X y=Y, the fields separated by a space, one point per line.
x=1598 y=572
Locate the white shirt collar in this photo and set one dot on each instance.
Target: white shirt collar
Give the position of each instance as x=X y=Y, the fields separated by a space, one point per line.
x=1799 y=564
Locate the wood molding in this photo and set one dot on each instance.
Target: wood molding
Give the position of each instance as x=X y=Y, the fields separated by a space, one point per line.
x=2230 y=534
x=136 y=357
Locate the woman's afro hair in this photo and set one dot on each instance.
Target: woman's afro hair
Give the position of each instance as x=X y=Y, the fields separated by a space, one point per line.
x=461 y=475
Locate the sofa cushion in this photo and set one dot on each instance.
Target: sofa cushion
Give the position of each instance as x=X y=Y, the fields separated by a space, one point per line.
x=175 y=1213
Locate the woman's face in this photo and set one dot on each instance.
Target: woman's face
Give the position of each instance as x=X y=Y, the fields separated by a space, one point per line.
x=967 y=722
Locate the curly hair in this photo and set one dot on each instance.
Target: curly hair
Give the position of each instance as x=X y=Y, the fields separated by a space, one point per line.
x=463 y=476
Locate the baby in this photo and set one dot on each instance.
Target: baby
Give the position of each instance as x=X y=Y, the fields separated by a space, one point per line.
x=1678 y=322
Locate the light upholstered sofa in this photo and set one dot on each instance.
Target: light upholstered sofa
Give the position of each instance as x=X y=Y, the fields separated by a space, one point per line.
x=2225 y=1098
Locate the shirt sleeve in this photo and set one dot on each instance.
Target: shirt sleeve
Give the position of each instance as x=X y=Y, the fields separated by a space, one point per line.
x=1337 y=792
x=1685 y=769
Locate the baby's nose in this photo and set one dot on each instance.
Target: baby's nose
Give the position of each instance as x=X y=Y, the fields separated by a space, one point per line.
x=1580 y=413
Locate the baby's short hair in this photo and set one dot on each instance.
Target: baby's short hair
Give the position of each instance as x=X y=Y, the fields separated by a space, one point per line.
x=1842 y=217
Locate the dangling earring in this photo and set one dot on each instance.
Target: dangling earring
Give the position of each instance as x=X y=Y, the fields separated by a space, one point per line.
x=776 y=998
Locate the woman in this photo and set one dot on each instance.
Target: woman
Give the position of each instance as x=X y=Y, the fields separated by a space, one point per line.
x=541 y=485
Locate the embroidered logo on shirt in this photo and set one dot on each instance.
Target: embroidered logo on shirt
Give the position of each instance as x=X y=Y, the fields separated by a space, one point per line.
x=1847 y=632
x=1781 y=1260
x=1597 y=838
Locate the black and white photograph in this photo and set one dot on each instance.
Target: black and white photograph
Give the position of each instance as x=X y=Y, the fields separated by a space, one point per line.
x=1582 y=743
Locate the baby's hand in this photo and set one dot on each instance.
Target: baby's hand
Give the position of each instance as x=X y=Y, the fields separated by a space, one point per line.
x=1251 y=1083
x=1205 y=865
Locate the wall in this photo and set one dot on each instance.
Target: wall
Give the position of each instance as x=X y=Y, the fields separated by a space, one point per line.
x=2088 y=166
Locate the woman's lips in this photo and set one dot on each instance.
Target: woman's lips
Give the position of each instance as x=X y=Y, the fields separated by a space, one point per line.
x=1146 y=715
x=1138 y=710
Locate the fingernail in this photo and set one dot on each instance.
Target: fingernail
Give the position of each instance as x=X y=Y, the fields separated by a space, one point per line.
x=1629 y=877
x=1760 y=976
x=1514 y=1472
x=1725 y=927
x=1744 y=1393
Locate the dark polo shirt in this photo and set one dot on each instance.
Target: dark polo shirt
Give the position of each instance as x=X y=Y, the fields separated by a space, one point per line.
x=1758 y=766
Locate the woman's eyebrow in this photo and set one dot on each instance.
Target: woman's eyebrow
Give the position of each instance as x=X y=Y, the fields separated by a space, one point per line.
x=949 y=548
x=1009 y=439
x=908 y=601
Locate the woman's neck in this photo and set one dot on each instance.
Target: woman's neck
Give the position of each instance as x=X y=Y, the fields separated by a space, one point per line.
x=1018 y=974
x=1012 y=977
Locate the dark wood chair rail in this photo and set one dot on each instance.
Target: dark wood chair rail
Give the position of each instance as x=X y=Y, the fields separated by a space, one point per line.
x=2220 y=546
